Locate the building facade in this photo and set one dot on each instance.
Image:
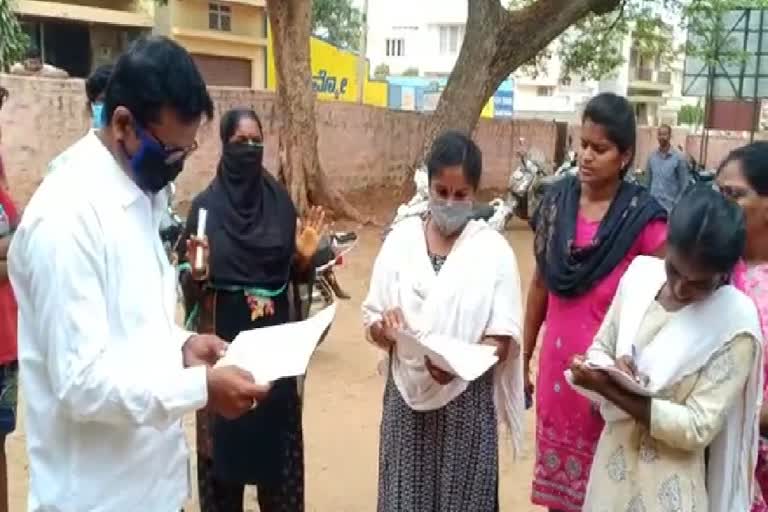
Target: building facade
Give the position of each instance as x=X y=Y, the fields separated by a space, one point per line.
x=227 y=39
x=422 y=36
x=77 y=36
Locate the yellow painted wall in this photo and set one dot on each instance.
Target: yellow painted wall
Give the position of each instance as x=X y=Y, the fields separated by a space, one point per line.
x=247 y=26
x=488 y=109
x=333 y=65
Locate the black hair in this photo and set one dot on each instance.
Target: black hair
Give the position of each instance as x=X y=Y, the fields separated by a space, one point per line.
x=707 y=227
x=97 y=82
x=754 y=165
x=32 y=53
x=617 y=117
x=231 y=120
x=153 y=73
x=453 y=148
x=3 y=95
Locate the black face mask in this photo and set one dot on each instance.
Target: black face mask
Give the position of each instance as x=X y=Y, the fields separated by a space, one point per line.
x=240 y=158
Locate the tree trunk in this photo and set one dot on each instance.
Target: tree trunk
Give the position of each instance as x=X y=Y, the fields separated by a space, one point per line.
x=300 y=170
x=496 y=42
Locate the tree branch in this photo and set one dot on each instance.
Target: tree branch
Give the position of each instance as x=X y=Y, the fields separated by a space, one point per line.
x=535 y=26
x=618 y=17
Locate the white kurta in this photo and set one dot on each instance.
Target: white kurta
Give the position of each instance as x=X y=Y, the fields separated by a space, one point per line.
x=704 y=378
x=99 y=351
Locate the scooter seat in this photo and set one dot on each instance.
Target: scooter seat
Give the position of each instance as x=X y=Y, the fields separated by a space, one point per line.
x=483 y=212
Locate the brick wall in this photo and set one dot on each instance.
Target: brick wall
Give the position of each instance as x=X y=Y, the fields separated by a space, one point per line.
x=360 y=146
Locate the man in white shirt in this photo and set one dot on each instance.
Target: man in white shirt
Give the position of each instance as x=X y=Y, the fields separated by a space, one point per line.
x=107 y=373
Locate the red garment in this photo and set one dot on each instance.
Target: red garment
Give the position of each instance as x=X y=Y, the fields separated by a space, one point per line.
x=8 y=310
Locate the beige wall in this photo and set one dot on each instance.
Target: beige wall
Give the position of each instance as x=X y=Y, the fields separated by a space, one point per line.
x=247 y=40
x=246 y=21
x=361 y=147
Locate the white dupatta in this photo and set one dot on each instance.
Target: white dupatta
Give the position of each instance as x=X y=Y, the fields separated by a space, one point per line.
x=476 y=294
x=681 y=348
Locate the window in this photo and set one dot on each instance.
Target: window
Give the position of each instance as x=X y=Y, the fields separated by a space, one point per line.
x=451 y=38
x=219 y=17
x=544 y=90
x=395 y=47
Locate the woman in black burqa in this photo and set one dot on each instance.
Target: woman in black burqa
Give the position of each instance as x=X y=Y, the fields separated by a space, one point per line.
x=258 y=256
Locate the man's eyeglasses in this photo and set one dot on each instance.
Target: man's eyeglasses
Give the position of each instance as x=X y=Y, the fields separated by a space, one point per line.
x=173 y=154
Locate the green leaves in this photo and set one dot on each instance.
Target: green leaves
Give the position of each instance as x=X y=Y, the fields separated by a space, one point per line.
x=591 y=48
x=338 y=22
x=13 y=40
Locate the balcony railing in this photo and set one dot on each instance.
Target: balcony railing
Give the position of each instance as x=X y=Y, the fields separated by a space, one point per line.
x=651 y=75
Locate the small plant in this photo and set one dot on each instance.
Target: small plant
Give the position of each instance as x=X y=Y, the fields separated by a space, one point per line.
x=381 y=72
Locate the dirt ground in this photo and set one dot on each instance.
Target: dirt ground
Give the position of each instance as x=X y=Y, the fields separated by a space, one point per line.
x=343 y=408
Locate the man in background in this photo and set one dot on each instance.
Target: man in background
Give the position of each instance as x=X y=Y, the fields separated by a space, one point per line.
x=94 y=91
x=33 y=65
x=667 y=171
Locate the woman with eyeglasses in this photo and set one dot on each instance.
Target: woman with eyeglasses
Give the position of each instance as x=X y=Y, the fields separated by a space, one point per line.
x=743 y=177
x=255 y=255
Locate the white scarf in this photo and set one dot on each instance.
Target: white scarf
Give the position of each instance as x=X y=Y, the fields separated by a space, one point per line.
x=476 y=294
x=681 y=348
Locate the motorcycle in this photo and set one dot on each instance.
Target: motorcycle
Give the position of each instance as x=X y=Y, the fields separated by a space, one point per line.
x=417 y=205
x=171 y=224
x=700 y=174
x=523 y=181
x=569 y=167
x=330 y=254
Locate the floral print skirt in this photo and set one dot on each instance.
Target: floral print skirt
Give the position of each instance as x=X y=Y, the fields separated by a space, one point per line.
x=444 y=460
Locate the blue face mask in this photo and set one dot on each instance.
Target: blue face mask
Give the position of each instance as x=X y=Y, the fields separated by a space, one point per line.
x=97 y=115
x=152 y=166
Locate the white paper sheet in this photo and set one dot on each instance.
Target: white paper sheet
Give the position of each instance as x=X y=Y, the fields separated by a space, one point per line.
x=468 y=361
x=271 y=353
x=618 y=376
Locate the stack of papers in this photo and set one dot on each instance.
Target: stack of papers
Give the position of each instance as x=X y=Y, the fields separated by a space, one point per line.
x=272 y=353
x=468 y=361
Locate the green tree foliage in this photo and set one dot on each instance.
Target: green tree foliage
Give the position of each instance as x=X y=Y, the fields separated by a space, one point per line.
x=381 y=72
x=590 y=49
x=337 y=21
x=691 y=115
x=411 y=72
x=13 y=40
x=649 y=23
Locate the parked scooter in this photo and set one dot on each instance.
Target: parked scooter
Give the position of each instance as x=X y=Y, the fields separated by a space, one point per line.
x=700 y=174
x=171 y=224
x=569 y=167
x=417 y=205
x=523 y=180
x=330 y=255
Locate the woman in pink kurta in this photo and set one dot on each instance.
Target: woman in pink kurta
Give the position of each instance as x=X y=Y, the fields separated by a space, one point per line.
x=588 y=230
x=743 y=177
